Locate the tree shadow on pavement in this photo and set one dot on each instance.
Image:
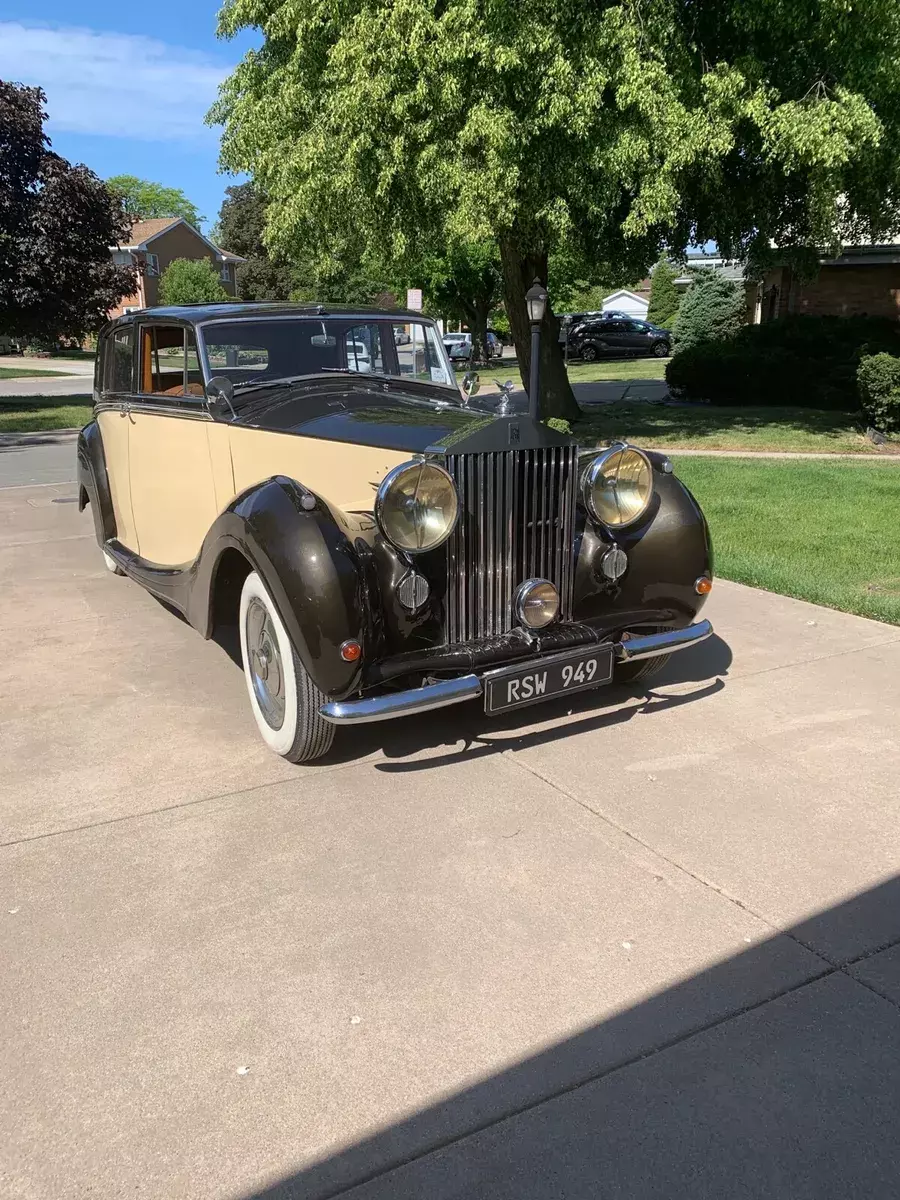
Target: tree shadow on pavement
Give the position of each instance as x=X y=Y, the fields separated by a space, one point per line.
x=772 y=1074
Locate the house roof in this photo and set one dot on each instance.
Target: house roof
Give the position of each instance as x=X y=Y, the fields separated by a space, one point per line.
x=622 y=294
x=144 y=232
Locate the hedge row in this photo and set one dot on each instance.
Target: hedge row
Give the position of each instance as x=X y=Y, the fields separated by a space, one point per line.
x=802 y=361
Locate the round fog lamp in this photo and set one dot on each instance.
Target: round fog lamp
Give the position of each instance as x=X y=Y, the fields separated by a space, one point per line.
x=537 y=603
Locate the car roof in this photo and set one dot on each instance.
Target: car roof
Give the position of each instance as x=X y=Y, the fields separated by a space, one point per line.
x=236 y=311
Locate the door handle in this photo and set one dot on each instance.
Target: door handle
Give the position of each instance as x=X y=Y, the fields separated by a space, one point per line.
x=125 y=410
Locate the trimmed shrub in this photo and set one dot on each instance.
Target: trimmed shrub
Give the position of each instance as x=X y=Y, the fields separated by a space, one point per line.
x=803 y=361
x=712 y=311
x=191 y=281
x=878 y=379
x=665 y=297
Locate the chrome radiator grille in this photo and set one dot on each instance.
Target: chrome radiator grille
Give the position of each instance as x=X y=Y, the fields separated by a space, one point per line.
x=516 y=522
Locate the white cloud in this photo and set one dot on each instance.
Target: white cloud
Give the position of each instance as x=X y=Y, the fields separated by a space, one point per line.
x=113 y=83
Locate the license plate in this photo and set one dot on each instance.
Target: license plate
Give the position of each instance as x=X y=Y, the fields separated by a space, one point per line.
x=557 y=675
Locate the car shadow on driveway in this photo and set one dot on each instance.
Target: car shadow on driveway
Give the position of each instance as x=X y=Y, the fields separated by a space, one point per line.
x=482 y=736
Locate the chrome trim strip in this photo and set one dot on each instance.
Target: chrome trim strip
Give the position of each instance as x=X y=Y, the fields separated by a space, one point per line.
x=467 y=687
x=654 y=644
x=190 y=413
x=402 y=704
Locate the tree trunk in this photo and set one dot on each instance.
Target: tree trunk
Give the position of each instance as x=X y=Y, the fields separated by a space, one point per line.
x=519 y=273
x=479 y=334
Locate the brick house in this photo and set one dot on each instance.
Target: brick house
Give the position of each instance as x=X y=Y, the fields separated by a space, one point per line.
x=861 y=281
x=154 y=244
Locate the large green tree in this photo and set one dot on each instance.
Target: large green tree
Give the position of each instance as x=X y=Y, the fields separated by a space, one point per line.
x=461 y=281
x=57 y=223
x=608 y=128
x=241 y=228
x=145 y=199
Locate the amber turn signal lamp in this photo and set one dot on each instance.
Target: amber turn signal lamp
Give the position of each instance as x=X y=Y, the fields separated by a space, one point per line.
x=703 y=586
x=350 y=651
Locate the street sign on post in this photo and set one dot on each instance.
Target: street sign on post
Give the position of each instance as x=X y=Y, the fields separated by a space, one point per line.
x=414 y=299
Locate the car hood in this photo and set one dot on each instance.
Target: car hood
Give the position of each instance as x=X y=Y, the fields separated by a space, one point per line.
x=378 y=413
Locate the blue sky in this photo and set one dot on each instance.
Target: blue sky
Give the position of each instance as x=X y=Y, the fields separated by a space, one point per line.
x=127 y=85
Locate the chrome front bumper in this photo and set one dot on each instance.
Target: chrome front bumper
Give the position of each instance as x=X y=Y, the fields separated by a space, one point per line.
x=453 y=691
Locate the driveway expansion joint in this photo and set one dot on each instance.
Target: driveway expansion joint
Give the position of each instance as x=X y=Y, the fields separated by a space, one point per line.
x=708 y=884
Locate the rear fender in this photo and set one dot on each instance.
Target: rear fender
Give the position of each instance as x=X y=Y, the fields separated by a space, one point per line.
x=93 y=482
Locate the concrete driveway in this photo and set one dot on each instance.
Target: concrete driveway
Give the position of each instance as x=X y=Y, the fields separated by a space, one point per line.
x=648 y=945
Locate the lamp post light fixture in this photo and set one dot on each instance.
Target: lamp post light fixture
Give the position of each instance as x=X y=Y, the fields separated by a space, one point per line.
x=536 y=300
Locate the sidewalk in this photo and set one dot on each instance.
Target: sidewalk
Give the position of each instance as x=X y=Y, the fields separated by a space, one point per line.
x=75 y=366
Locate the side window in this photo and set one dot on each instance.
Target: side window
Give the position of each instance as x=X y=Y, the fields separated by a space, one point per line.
x=117 y=361
x=363 y=348
x=420 y=353
x=169 y=362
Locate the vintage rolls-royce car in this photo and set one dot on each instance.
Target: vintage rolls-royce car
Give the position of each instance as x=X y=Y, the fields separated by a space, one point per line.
x=386 y=543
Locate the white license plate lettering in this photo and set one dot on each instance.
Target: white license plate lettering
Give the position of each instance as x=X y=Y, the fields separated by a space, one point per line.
x=526 y=688
x=548 y=682
x=582 y=672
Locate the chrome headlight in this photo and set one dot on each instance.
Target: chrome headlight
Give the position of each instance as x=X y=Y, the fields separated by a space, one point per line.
x=416 y=506
x=618 y=486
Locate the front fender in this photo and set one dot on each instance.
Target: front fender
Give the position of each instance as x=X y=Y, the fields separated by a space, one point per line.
x=310 y=568
x=93 y=482
x=667 y=552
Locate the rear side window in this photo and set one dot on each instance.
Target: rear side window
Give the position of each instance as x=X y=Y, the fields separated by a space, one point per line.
x=117 y=367
x=169 y=362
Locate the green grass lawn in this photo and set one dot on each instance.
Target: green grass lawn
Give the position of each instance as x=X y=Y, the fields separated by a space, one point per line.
x=32 y=414
x=706 y=427
x=579 y=372
x=820 y=531
x=28 y=373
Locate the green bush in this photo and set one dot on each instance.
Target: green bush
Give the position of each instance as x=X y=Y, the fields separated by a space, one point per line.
x=664 y=295
x=809 y=362
x=712 y=311
x=878 y=380
x=191 y=281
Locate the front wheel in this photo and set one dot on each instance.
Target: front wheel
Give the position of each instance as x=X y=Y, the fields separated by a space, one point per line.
x=284 y=699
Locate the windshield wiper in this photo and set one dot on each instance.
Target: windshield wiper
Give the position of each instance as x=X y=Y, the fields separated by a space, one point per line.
x=270 y=383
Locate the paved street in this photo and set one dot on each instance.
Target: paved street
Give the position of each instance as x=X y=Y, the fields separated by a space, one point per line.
x=645 y=945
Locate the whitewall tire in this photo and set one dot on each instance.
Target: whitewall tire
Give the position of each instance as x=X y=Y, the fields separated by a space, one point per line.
x=284 y=700
x=111 y=564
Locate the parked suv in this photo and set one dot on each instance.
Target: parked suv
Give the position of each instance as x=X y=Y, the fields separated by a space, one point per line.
x=617 y=338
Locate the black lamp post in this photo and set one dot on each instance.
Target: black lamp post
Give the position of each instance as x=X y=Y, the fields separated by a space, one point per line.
x=536 y=299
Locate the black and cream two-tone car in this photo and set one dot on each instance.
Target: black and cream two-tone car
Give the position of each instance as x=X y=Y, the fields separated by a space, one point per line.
x=387 y=543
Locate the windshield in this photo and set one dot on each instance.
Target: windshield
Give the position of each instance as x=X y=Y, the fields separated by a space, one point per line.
x=253 y=353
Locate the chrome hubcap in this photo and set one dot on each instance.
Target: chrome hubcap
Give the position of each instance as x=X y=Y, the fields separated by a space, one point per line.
x=266 y=671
